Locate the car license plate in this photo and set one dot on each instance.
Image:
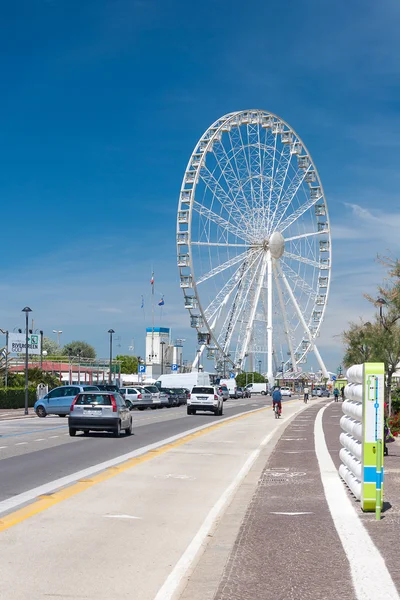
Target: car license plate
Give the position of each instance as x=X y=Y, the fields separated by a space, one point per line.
x=156 y=401
x=92 y=412
x=203 y=398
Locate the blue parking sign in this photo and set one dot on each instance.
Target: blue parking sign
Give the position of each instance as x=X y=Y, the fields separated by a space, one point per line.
x=232 y=375
x=142 y=368
x=174 y=367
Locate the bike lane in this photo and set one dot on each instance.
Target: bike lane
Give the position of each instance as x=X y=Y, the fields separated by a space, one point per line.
x=288 y=547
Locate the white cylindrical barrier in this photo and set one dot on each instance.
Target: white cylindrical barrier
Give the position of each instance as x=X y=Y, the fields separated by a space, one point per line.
x=352 y=409
x=353 y=483
x=354 y=391
x=351 y=426
x=355 y=374
x=353 y=445
x=351 y=463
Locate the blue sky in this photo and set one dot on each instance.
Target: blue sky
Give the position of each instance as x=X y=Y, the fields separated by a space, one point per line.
x=101 y=104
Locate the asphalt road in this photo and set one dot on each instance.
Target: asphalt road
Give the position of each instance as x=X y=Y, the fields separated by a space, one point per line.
x=37 y=451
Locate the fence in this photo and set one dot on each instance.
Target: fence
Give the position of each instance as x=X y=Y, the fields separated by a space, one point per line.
x=363 y=434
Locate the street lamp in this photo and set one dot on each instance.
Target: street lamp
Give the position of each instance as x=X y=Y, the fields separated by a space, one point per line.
x=58 y=332
x=6 y=358
x=381 y=303
x=162 y=344
x=259 y=367
x=198 y=360
x=26 y=310
x=79 y=351
x=110 y=331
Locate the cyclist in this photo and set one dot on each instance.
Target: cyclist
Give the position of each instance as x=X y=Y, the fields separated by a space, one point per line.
x=306 y=392
x=336 y=394
x=277 y=399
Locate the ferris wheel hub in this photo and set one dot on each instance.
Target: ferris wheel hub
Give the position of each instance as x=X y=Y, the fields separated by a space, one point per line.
x=276 y=244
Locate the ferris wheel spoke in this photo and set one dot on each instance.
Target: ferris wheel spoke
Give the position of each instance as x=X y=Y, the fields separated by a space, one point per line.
x=302 y=259
x=222 y=196
x=224 y=294
x=299 y=212
x=299 y=282
x=288 y=196
x=280 y=177
x=284 y=315
x=306 y=235
x=230 y=175
x=303 y=322
x=229 y=263
x=218 y=220
x=220 y=244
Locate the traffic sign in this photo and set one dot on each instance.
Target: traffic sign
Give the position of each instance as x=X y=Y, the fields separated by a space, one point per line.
x=174 y=367
x=333 y=377
x=142 y=368
x=232 y=375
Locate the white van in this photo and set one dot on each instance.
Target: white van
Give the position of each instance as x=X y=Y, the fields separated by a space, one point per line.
x=231 y=385
x=257 y=388
x=183 y=380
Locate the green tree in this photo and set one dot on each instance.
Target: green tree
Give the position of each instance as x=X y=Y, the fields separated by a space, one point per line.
x=241 y=378
x=35 y=376
x=129 y=364
x=51 y=347
x=87 y=351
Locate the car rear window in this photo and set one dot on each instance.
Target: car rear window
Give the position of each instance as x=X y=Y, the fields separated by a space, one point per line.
x=89 y=388
x=202 y=390
x=152 y=388
x=84 y=399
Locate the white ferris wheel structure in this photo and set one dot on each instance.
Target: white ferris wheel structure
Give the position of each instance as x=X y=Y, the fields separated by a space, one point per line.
x=254 y=245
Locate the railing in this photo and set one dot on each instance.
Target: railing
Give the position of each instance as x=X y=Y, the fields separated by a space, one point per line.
x=363 y=434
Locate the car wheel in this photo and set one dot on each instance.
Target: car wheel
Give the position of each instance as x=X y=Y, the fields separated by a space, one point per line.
x=72 y=432
x=128 y=431
x=41 y=412
x=221 y=411
x=117 y=431
x=263 y=393
x=189 y=412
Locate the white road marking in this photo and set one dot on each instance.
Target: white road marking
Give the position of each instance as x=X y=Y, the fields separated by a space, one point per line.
x=121 y=517
x=47 y=488
x=292 y=514
x=2 y=447
x=41 y=439
x=21 y=443
x=171 y=584
x=293 y=439
x=371 y=578
x=54 y=436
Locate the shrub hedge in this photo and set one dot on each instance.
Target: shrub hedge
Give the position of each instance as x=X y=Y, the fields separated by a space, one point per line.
x=15 y=397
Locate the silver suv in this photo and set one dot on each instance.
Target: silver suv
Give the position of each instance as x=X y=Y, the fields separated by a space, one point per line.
x=99 y=411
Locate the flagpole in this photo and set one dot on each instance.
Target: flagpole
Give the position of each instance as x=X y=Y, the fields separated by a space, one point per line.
x=152 y=318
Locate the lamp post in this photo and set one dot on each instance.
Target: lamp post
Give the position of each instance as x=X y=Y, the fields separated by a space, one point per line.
x=41 y=349
x=381 y=303
x=110 y=331
x=259 y=367
x=58 y=332
x=198 y=360
x=26 y=310
x=6 y=359
x=79 y=352
x=162 y=344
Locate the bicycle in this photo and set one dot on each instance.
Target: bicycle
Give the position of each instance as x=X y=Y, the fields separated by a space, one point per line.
x=305 y=398
x=276 y=410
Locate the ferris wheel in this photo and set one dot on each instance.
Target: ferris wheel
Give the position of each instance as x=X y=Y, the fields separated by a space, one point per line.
x=254 y=244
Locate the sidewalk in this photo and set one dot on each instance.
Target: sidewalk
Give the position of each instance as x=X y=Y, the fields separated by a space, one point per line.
x=287 y=547
x=15 y=413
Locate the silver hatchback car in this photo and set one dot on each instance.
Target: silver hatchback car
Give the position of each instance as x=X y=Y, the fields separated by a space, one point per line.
x=99 y=411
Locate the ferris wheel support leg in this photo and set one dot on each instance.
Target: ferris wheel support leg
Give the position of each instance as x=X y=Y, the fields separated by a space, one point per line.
x=270 y=371
x=304 y=324
x=285 y=321
x=249 y=328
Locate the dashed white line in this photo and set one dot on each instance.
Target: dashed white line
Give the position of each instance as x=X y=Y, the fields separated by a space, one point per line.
x=39 y=440
x=21 y=443
x=54 y=436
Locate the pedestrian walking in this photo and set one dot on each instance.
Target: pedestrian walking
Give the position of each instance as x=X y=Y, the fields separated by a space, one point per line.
x=306 y=392
x=336 y=394
x=342 y=392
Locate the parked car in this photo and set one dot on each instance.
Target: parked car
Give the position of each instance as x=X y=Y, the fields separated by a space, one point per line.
x=205 y=398
x=58 y=401
x=182 y=395
x=286 y=391
x=173 y=398
x=137 y=397
x=155 y=395
x=164 y=399
x=99 y=411
x=223 y=391
x=107 y=387
x=321 y=392
x=240 y=392
x=257 y=388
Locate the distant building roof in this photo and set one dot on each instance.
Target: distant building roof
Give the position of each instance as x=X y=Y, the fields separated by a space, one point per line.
x=157 y=329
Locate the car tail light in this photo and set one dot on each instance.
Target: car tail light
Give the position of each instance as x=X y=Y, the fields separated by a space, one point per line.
x=114 y=404
x=215 y=397
x=73 y=402
x=189 y=396
x=139 y=396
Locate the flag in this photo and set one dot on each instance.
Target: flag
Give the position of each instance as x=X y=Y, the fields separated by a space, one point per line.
x=142 y=305
x=152 y=279
x=161 y=303
x=3 y=353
